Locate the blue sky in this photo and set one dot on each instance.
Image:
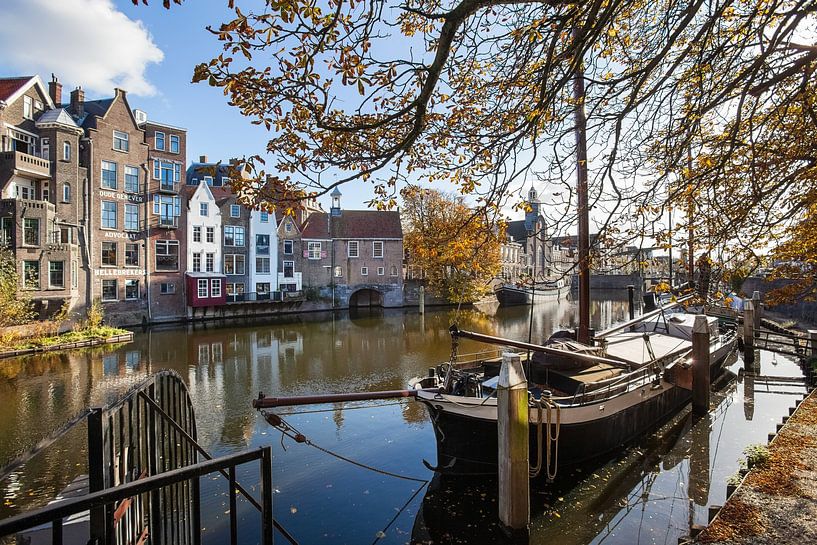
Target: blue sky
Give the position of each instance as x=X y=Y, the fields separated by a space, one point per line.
x=146 y=50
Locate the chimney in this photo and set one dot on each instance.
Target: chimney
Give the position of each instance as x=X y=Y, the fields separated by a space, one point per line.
x=55 y=90
x=202 y=158
x=78 y=102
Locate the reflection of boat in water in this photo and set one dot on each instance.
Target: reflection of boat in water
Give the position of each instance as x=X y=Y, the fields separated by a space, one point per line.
x=511 y=294
x=585 y=401
x=456 y=511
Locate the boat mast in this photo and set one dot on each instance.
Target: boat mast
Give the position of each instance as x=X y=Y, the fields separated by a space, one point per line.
x=581 y=190
x=690 y=215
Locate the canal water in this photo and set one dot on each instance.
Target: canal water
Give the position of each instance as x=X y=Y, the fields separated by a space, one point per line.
x=651 y=493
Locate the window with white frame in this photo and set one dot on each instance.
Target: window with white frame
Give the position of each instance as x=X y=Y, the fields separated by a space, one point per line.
x=109 y=291
x=313 y=250
x=56 y=274
x=196 y=261
x=167 y=255
x=235 y=211
x=233 y=235
x=288 y=227
x=381 y=271
x=108 y=175
x=66 y=192
x=262 y=265
x=28 y=107
x=377 y=248
x=159 y=140
x=338 y=271
x=364 y=271
x=208 y=180
x=131 y=254
x=108 y=215
x=203 y=209
x=66 y=151
x=262 y=244
x=225 y=180
x=210 y=262
x=131 y=217
x=131 y=179
x=131 y=290
x=31 y=274
x=108 y=254
x=236 y=288
x=120 y=141
x=174 y=143
x=167 y=207
x=288 y=247
x=393 y=270
x=234 y=264
x=353 y=249
x=215 y=287
x=45 y=148
x=196 y=233
x=264 y=216
x=203 y=292
x=211 y=234
x=289 y=269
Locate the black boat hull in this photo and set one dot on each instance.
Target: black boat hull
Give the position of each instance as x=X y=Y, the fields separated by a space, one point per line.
x=468 y=445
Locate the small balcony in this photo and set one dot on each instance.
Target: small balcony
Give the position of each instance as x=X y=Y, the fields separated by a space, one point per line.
x=168 y=222
x=168 y=186
x=25 y=165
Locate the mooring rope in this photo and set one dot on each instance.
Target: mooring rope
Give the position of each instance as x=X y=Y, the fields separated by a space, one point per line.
x=290 y=431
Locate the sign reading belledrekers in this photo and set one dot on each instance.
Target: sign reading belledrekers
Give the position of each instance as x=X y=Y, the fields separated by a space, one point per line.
x=119 y=272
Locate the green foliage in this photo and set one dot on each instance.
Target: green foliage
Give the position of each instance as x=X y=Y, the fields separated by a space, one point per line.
x=96 y=315
x=756 y=455
x=15 y=306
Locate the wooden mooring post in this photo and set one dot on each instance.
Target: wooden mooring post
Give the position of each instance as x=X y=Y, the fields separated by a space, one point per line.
x=758 y=314
x=812 y=343
x=631 y=302
x=422 y=297
x=512 y=435
x=749 y=332
x=700 y=365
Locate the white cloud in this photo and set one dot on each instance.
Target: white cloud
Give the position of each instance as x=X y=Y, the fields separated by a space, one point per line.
x=84 y=42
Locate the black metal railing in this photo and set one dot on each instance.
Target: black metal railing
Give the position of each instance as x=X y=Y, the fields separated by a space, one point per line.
x=143 y=470
x=113 y=499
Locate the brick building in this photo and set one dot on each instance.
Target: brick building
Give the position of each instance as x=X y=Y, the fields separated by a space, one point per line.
x=115 y=151
x=167 y=159
x=354 y=257
x=41 y=179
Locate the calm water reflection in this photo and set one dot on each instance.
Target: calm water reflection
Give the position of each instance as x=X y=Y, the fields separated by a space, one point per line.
x=650 y=495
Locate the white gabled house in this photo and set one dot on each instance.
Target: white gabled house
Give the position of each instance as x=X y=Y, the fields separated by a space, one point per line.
x=205 y=278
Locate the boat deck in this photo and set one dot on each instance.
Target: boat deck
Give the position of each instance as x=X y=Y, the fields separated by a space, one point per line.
x=632 y=348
